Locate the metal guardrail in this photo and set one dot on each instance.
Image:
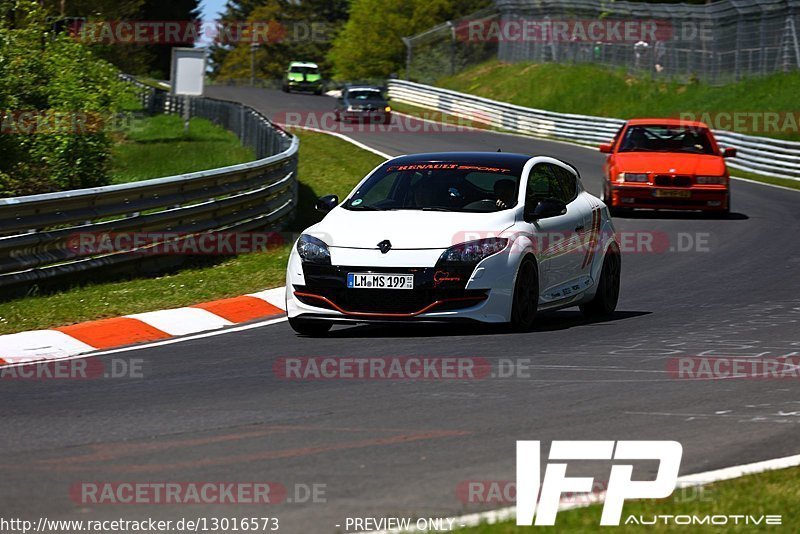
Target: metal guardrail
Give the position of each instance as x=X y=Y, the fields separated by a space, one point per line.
x=38 y=232
x=762 y=155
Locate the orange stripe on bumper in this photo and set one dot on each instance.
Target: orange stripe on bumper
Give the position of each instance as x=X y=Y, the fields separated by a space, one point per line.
x=110 y=333
x=240 y=309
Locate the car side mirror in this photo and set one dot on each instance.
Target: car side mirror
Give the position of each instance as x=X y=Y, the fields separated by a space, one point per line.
x=729 y=152
x=327 y=203
x=605 y=148
x=544 y=209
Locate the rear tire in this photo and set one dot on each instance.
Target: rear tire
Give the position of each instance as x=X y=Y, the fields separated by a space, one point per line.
x=605 y=300
x=310 y=328
x=525 y=300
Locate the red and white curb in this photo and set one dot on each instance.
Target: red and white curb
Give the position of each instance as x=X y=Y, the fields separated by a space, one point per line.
x=67 y=341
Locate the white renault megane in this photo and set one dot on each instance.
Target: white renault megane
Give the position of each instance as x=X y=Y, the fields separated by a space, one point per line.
x=481 y=236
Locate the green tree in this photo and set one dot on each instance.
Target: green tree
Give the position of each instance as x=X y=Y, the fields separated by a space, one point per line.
x=370 y=44
x=57 y=84
x=298 y=31
x=160 y=56
x=151 y=59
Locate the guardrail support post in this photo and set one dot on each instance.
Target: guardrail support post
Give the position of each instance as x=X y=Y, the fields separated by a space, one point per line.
x=407 y=42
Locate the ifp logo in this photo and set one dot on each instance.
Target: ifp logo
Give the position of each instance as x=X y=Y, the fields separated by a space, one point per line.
x=620 y=486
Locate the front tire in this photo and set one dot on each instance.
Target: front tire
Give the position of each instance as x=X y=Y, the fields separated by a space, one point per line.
x=525 y=300
x=724 y=213
x=309 y=328
x=607 y=199
x=605 y=300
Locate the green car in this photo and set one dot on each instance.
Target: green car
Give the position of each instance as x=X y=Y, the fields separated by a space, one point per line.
x=303 y=76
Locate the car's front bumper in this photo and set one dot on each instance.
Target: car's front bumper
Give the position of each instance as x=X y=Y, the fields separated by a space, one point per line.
x=706 y=198
x=305 y=86
x=367 y=116
x=320 y=292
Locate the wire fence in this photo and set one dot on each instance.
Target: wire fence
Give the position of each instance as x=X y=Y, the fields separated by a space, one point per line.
x=717 y=43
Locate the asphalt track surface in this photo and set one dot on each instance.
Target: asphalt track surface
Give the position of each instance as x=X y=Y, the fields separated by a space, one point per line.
x=212 y=409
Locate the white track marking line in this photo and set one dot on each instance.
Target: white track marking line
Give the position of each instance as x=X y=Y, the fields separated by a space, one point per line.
x=748 y=180
x=686 y=481
x=350 y=140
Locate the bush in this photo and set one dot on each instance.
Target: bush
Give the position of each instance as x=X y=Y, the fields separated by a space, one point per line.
x=370 y=45
x=57 y=99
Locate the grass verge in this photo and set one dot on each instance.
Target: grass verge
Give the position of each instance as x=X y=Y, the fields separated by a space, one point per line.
x=445 y=118
x=148 y=148
x=593 y=90
x=327 y=166
x=769 y=493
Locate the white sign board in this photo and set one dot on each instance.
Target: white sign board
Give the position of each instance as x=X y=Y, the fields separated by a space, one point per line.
x=188 y=71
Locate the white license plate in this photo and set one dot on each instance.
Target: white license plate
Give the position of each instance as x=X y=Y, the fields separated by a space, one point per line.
x=673 y=193
x=380 y=281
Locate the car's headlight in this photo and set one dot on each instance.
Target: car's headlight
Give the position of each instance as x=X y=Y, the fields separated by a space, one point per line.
x=473 y=251
x=632 y=177
x=717 y=180
x=387 y=109
x=313 y=250
x=353 y=108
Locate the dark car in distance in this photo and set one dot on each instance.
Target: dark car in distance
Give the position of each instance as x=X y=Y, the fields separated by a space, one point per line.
x=363 y=103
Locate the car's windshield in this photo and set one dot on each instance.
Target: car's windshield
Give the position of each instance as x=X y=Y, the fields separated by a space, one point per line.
x=365 y=94
x=656 y=138
x=303 y=70
x=438 y=186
